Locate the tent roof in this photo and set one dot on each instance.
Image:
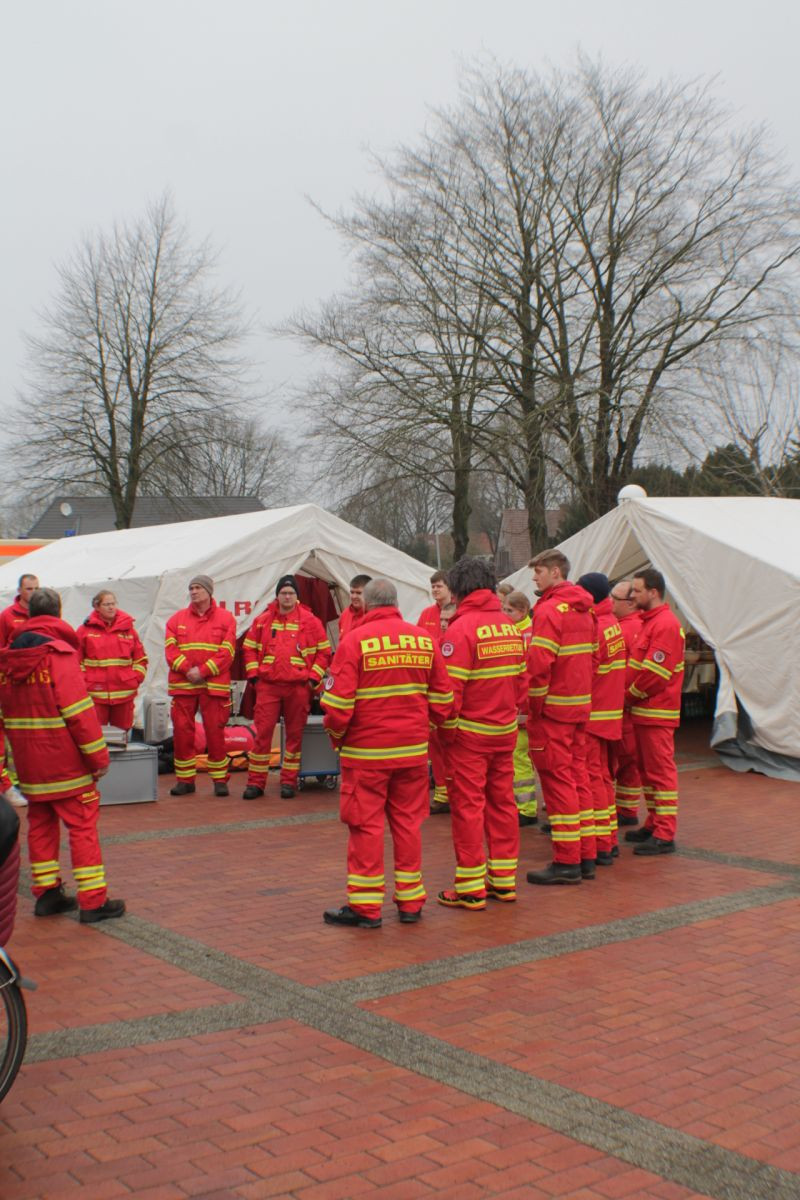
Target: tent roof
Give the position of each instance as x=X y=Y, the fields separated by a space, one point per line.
x=190 y=546
x=732 y=567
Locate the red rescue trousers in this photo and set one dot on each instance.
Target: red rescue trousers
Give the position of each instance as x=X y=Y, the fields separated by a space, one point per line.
x=483 y=812
x=625 y=769
x=656 y=747
x=214 y=711
x=558 y=751
x=119 y=715
x=598 y=763
x=438 y=768
x=368 y=794
x=292 y=700
x=80 y=817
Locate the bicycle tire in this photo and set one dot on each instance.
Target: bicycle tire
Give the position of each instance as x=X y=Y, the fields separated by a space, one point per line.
x=16 y=1031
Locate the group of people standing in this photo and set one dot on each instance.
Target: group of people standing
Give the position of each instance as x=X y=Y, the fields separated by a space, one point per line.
x=583 y=692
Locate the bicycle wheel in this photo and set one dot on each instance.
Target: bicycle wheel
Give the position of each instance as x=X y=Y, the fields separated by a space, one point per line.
x=13 y=1028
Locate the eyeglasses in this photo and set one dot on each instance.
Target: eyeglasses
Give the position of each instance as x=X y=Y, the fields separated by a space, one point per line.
x=627 y=599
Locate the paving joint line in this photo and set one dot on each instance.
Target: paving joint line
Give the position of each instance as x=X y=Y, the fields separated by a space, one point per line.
x=647 y=1144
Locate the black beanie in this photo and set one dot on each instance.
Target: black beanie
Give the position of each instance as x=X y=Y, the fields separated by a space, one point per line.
x=286 y=581
x=596 y=585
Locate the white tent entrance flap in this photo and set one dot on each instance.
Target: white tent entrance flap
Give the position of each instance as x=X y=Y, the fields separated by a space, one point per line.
x=149 y=569
x=732 y=566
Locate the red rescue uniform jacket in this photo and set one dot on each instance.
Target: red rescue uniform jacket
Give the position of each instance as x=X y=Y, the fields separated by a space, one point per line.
x=486 y=662
x=608 y=683
x=349 y=619
x=112 y=657
x=48 y=718
x=654 y=678
x=11 y=620
x=205 y=640
x=630 y=627
x=560 y=655
x=430 y=619
x=386 y=685
x=287 y=649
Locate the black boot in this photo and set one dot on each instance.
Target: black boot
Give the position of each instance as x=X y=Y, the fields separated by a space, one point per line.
x=286 y=791
x=556 y=873
x=221 y=788
x=106 y=912
x=182 y=789
x=54 y=900
x=654 y=846
x=587 y=868
x=639 y=835
x=251 y=792
x=348 y=916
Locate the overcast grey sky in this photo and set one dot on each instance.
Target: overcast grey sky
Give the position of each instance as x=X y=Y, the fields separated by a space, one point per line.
x=241 y=109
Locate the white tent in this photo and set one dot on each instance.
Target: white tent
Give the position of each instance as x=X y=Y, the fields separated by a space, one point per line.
x=149 y=569
x=732 y=566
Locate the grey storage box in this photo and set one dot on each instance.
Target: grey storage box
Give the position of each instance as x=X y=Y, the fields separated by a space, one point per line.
x=132 y=775
x=319 y=760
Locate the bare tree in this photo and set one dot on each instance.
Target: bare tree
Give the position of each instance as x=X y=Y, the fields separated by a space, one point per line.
x=591 y=236
x=235 y=457
x=138 y=350
x=746 y=398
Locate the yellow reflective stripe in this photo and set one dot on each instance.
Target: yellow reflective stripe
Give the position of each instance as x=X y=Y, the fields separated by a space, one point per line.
x=200 y=645
x=500 y=672
x=671 y=714
x=178 y=661
x=318 y=670
x=368 y=881
x=106 y=696
x=212 y=666
x=545 y=644
x=365 y=897
x=72 y=710
x=58 y=785
x=440 y=697
x=333 y=701
x=34 y=722
x=171 y=641
x=471 y=872
x=481 y=727
x=538 y=691
x=92 y=747
x=611 y=714
x=458 y=672
x=399 y=689
x=106 y=662
x=618 y=664
x=656 y=668
x=385 y=751
x=575 y=648
x=567 y=700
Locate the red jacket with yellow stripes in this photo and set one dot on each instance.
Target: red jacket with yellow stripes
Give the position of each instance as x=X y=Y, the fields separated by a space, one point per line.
x=486 y=662
x=112 y=657
x=560 y=655
x=608 y=683
x=287 y=649
x=11 y=621
x=654 y=678
x=50 y=721
x=205 y=640
x=386 y=684
x=430 y=619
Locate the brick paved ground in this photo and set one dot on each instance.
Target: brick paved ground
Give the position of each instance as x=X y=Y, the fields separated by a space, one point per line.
x=636 y=1037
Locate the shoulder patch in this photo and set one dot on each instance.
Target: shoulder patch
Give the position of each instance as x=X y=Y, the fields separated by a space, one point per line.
x=447 y=649
x=328 y=682
x=658 y=656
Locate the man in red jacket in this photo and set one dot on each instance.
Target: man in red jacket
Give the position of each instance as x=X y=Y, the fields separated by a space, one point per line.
x=386 y=684
x=605 y=722
x=15 y=616
x=431 y=619
x=286 y=654
x=654 y=682
x=355 y=610
x=559 y=706
x=199 y=647
x=59 y=754
x=485 y=660
x=624 y=757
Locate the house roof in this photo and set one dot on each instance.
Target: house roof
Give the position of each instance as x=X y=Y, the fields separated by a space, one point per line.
x=95 y=514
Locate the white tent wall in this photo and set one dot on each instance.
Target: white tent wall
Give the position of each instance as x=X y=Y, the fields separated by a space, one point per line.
x=149 y=569
x=732 y=566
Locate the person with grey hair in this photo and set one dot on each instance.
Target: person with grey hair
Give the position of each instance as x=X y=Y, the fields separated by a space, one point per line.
x=386 y=685
x=59 y=755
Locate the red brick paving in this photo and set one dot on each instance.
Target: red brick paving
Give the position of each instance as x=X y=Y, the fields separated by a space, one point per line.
x=699 y=1025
